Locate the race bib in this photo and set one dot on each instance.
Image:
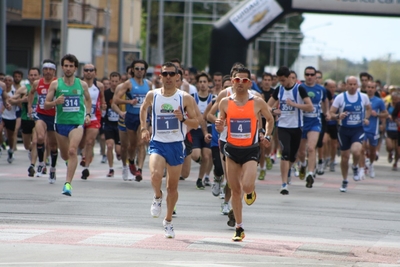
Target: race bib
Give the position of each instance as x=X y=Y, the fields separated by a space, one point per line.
x=286 y=109
x=312 y=114
x=240 y=128
x=167 y=123
x=71 y=104
x=112 y=115
x=354 y=118
x=41 y=100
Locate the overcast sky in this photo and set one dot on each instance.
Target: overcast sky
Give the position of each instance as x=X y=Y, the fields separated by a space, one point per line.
x=351 y=37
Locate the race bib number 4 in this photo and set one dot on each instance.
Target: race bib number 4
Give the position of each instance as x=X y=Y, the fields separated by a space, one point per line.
x=167 y=123
x=71 y=104
x=240 y=128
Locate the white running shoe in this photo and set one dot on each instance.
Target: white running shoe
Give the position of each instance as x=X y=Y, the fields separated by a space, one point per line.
x=225 y=208
x=52 y=176
x=125 y=173
x=169 y=229
x=356 y=174
x=371 y=171
x=222 y=191
x=361 y=174
x=155 y=208
x=40 y=168
x=216 y=187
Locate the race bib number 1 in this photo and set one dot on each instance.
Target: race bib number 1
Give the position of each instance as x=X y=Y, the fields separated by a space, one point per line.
x=167 y=123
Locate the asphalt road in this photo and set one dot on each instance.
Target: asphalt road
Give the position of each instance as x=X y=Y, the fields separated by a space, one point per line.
x=107 y=221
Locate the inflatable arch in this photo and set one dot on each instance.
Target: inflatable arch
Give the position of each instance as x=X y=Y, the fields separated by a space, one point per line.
x=234 y=31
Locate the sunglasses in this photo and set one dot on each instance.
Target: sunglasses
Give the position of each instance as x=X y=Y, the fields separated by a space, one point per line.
x=88 y=70
x=170 y=73
x=309 y=74
x=137 y=68
x=239 y=80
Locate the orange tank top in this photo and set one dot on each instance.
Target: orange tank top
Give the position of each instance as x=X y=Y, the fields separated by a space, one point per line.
x=242 y=124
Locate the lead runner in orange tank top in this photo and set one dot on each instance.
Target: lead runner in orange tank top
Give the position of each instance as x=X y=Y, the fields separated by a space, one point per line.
x=239 y=112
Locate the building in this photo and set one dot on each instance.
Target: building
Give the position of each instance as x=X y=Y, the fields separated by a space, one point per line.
x=93 y=27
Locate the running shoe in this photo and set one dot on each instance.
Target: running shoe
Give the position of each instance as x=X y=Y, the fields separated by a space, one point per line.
x=138 y=175
x=231 y=219
x=320 y=168
x=125 y=173
x=207 y=181
x=85 y=174
x=302 y=172
x=48 y=161
x=250 y=198
x=284 y=190
x=169 y=229
x=52 y=176
x=390 y=157
x=199 y=184
x=39 y=171
x=216 y=187
x=394 y=167
x=356 y=176
x=83 y=162
x=132 y=168
x=344 y=186
x=239 y=235
x=262 y=175
x=44 y=170
x=371 y=171
x=361 y=174
x=222 y=192
x=268 y=163
x=309 y=180
x=155 y=209
x=110 y=173
x=174 y=212
x=296 y=170
x=10 y=158
x=67 y=189
x=225 y=208
x=332 y=166
x=31 y=171
x=104 y=159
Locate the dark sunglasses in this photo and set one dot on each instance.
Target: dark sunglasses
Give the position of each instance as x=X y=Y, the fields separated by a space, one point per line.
x=309 y=74
x=137 y=68
x=170 y=73
x=88 y=70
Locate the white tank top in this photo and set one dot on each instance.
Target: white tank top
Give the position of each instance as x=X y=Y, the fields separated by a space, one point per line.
x=166 y=127
x=10 y=114
x=94 y=95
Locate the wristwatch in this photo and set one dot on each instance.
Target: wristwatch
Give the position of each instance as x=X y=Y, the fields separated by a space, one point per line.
x=88 y=114
x=268 y=137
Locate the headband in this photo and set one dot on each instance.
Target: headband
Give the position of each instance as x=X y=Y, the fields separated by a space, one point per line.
x=49 y=65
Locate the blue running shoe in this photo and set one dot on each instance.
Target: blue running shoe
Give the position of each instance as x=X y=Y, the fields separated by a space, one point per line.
x=67 y=189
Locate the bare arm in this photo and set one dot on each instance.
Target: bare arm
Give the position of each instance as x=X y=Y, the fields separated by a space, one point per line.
x=307 y=106
x=50 y=103
x=31 y=96
x=19 y=97
x=143 y=115
x=211 y=114
x=117 y=99
x=88 y=101
x=264 y=110
x=191 y=109
x=220 y=122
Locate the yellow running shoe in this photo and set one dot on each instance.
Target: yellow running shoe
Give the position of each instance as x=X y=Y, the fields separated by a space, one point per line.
x=262 y=175
x=269 y=163
x=239 y=235
x=250 y=198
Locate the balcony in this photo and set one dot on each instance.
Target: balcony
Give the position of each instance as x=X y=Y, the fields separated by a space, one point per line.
x=78 y=13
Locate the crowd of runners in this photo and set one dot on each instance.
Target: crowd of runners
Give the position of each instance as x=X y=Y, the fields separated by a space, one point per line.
x=235 y=126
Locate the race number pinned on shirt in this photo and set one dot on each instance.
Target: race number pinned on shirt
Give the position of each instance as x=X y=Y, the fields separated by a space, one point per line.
x=240 y=128
x=41 y=100
x=71 y=104
x=167 y=123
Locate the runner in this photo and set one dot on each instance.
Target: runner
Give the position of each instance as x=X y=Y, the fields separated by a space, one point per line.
x=72 y=101
x=167 y=139
x=242 y=148
x=353 y=109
